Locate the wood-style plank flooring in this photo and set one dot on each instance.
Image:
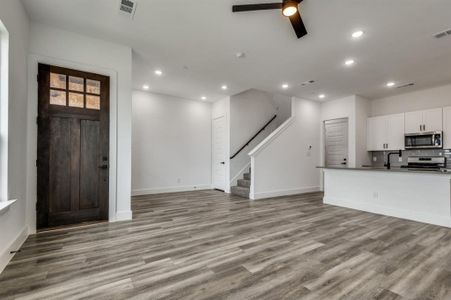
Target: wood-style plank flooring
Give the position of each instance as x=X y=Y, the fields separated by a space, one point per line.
x=208 y=245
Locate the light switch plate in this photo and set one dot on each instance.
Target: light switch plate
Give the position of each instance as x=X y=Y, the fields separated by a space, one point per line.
x=400 y=159
x=374 y=158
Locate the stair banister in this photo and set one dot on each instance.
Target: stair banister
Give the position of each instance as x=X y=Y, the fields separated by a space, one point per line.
x=252 y=138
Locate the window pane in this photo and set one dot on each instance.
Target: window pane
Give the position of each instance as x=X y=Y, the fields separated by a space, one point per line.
x=76 y=84
x=57 y=81
x=93 y=86
x=93 y=102
x=76 y=100
x=57 y=97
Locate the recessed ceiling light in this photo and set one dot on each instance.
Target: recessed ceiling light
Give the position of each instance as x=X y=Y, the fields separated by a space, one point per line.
x=224 y=87
x=285 y=86
x=158 y=72
x=321 y=96
x=390 y=84
x=357 y=34
x=349 y=62
x=203 y=98
x=146 y=87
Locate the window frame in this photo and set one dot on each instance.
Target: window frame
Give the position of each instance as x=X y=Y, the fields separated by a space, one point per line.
x=4 y=116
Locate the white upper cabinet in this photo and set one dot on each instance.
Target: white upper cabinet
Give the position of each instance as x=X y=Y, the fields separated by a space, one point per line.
x=433 y=119
x=425 y=120
x=376 y=130
x=385 y=133
x=414 y=121
x=395 y=131
x=447 y=128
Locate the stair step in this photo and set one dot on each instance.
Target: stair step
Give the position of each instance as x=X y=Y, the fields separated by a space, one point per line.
x=240 y=191
x=244 y=182
x=247 y=176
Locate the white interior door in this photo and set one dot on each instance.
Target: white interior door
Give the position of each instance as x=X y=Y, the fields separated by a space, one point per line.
x=219 y=153
x=336 y=142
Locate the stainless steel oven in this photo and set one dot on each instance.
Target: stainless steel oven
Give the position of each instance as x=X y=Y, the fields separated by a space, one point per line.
x=424 y=140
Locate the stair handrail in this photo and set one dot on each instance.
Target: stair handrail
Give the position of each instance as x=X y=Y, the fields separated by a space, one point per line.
x=252 y=138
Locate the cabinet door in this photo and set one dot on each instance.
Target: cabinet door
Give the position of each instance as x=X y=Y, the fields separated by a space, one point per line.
x=376 y=134
x=395 y=132
x=413 y=121
x=433 y=119
x=447 y=127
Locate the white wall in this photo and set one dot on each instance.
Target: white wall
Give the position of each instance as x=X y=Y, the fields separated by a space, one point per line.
x=249 y=112
x=418 y=100
x=362 y=111
x=13 y=226
x=285 y=162
x=171 y=144
x=219 y=109
x=71 y=50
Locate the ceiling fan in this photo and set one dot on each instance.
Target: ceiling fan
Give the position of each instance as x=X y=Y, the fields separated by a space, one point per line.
x=290 y=9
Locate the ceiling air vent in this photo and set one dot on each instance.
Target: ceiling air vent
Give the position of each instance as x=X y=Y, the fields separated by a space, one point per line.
x=441 y=34
x=128 y=8
x=405 y=85
x=308 y=82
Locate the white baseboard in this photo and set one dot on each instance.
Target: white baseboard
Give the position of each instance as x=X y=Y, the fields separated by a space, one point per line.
x=389 y=211
x=5 y=257
x=289 y=192
x=171 y=189
x=124 y=215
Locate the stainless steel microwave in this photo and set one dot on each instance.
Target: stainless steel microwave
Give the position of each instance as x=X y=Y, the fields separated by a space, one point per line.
x=424 y=140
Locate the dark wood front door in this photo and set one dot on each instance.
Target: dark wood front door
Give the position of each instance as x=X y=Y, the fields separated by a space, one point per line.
x=73 y=146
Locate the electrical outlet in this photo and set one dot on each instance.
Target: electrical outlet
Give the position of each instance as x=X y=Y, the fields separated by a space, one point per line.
x=375 y=195
x=179 y=180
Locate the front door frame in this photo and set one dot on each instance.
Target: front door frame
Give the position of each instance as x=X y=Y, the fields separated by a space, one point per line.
x=33 y=60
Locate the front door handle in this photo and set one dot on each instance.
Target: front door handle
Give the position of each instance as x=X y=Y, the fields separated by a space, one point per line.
x=222 y=162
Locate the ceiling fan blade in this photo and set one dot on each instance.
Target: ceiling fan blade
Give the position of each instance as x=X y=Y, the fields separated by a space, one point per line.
x=298 y=25
x=252 y=7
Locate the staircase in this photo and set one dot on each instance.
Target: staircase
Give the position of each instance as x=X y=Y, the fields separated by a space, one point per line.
x=243 y=187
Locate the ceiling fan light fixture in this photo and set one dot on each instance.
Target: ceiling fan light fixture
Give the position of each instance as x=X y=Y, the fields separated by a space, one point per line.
x=289 y=8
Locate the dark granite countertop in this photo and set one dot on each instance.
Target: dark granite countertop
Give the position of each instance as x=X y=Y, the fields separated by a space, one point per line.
x=393 y=170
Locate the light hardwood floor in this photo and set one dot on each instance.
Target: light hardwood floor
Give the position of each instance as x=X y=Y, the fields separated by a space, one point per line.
x=207 y=245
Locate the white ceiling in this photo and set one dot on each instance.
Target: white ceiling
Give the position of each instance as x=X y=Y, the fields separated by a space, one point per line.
x=194 y=42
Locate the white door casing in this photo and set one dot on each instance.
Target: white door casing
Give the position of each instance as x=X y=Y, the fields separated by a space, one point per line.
x=219 y=153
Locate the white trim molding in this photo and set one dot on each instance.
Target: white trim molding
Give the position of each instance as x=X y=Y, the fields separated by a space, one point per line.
x=271 y=137
x=125 y=215
x=4 y=205
x=171 y=189
x=6 y=256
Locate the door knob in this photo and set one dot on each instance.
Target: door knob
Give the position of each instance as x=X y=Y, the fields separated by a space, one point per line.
x=222 y=163
x=103 y=166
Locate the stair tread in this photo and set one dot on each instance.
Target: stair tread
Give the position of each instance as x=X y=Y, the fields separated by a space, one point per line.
x=240 y=191
x=244 y=182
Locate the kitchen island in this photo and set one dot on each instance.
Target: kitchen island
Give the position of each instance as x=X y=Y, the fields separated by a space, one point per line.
x=423 y=196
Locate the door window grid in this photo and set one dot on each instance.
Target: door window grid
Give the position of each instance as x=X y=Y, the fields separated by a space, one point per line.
x=73 y=91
